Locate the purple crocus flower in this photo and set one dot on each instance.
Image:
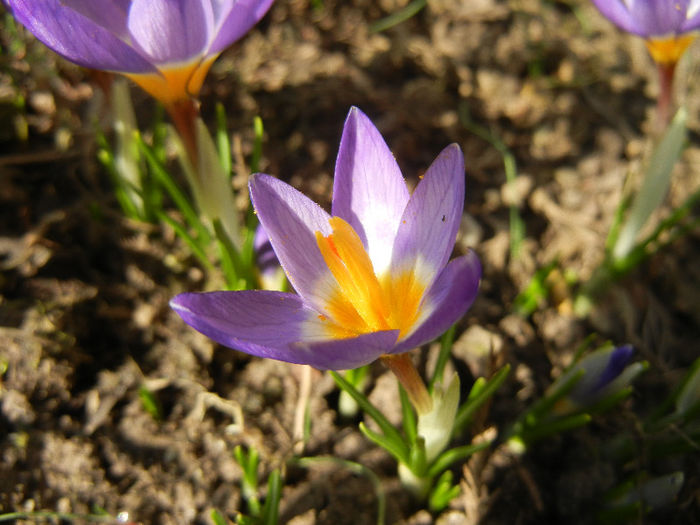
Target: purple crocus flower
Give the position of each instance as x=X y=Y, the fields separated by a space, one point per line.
x=372 y=279
x=667 y=27
x=664 y=24
x=165 y=46
x=605 y=371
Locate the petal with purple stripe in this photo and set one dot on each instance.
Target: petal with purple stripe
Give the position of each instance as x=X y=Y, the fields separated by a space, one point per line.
x=235 y=20
x=450 y=296
x=429 y=224
x=170 y=31
x=275 y=325
x=291 y=219
x=78 y=37
x=369 y=191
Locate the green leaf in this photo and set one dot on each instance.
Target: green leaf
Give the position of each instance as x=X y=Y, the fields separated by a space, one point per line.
x=255 y=157
x=150 y=403
x=223 y=143
x=179 y=198
x=475 y=402
x=408 y=417
x=398 y=17
x=445 y=351
x=217 y=517
x=387 y=428
x=448 y=457
x=443 y=493
x=396 y=449
x=655 y=185
x=270 y=512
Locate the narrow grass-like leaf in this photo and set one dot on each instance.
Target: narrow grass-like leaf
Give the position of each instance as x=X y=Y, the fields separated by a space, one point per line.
x=516 y=223
x=444 y=460
x=150 y=403
x=408 y=418
x=387 y=428
x=466 y=412
x=536 y=292
x=223 y=143
x=655 y=185
x=445 y=350
x=217 y=517
x=270 y=511
x=191 y=242
x=398 y=17
x=395 y=448
x=227 y=256
x=259 y=131
x=545 y=429
x=443 y=493
x=179 y=198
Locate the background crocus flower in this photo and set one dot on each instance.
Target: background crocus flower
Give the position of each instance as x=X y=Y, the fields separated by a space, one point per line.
x=667 y=27
x=271 y=274
x=604 y=372
x=664 y=24
x=165 y=46
x=372 y=279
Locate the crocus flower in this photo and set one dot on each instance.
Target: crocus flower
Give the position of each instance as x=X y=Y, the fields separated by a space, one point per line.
x=664 y=24
x=604 y=372
x=372 y=279
x=165 y=46
x=667 y=27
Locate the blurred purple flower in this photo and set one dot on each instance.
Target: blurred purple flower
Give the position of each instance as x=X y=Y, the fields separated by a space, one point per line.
x=165 y=46
x=372 y=279
x=605 y=372
x=664 y=24
x=271 y=274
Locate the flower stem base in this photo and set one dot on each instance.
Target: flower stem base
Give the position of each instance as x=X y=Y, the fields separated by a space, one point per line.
x=406 y=373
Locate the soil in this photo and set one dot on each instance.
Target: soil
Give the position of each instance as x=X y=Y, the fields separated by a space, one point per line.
x=84 y=319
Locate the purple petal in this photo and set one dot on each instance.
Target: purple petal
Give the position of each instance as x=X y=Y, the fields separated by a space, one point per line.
x=170 y=31
x=616 y=364
x=111 y=15
x=429 y=225
x=447 y=300
x=275 y=325
x=264 y=254
x=692 y=17
x=369 y=191
x=649 y=18
x=291 y=220
x=236 y=18
x=344 y=354
x=659 y=17
x=617 y=12
x=78 y=35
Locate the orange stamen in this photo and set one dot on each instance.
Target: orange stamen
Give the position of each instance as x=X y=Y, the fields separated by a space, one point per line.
x=363 y=303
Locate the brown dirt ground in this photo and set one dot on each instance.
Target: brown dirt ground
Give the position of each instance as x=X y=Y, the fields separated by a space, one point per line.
x=84 y=320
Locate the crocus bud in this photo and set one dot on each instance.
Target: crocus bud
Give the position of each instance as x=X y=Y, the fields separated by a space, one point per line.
x=435 y=427
x=271 y=273
x=603 y=373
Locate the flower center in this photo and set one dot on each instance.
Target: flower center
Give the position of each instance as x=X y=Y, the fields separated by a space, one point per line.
x=669 y=50
x=362 y=302
x=174 y=83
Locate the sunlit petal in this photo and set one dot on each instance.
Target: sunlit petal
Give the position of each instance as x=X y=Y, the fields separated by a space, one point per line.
x=369 y=191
